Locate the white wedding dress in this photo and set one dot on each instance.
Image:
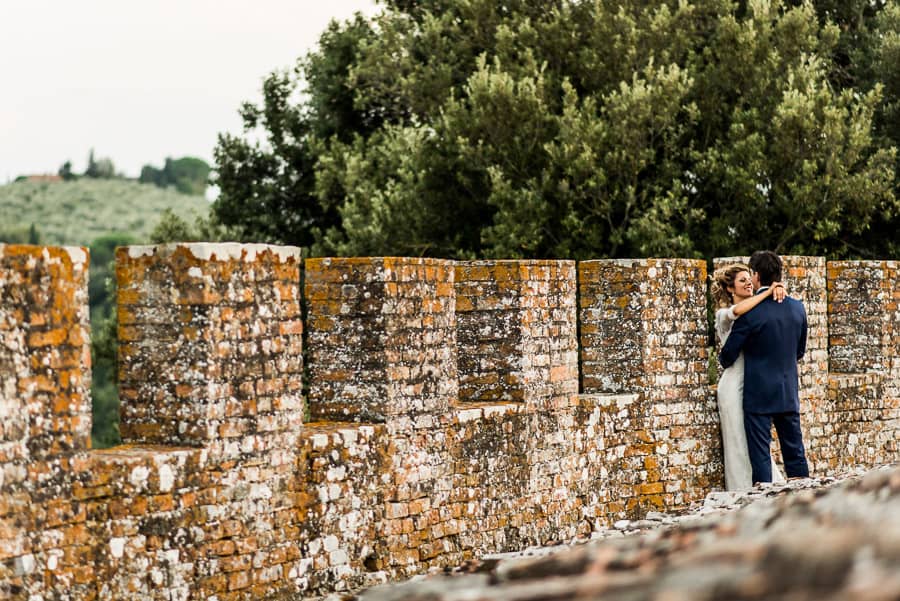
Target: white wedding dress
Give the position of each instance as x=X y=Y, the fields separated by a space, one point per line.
x=730 y=396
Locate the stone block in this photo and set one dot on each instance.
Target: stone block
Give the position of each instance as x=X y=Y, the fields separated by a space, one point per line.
x=204 y=321
x=381 y=338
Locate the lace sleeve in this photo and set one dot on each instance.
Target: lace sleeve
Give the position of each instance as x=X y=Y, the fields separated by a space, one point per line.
x=724 y=319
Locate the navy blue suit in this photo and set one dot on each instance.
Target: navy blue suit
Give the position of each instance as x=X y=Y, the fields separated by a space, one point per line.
x=773 y=338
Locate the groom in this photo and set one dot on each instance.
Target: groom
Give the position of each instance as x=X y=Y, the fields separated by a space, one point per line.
x=773 y=338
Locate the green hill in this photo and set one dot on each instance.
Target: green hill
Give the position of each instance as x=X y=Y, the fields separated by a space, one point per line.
x=79 y=212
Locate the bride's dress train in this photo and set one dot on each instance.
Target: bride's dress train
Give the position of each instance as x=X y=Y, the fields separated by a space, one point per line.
x=730 y=394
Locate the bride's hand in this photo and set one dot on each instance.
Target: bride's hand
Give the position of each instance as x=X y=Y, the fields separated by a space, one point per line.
x=778 y=292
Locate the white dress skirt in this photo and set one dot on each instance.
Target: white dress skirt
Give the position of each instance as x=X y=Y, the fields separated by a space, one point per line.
x=730 y=396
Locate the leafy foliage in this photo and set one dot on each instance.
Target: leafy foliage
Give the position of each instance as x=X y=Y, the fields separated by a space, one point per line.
x=102 y=291
x=469 y=128
x=188 y=175
x=172 y=228
x=65 y=171
x=20 y=234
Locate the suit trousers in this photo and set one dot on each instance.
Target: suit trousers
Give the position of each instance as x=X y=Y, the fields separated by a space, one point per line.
x=759 y=440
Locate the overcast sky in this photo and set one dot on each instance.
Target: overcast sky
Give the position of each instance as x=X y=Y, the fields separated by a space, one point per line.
x=140 y=81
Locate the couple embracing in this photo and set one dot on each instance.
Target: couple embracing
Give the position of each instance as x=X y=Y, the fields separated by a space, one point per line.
x=763 y=334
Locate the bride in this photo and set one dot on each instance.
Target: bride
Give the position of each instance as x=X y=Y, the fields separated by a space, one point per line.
x=732 y=291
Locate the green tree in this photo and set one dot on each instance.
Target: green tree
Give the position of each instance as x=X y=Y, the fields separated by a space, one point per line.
x=101 y=295
x=103 y=271
x=99 y=168
x=579 y=129
x=104 y=389
x=152 y=175
x=19 y=234
x=172 y=228
x=188 y=175
x=65 y=172
x=268 y=188
x=793 y=165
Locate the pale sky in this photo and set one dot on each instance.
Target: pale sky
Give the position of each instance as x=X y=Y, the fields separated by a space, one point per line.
x=140 y=81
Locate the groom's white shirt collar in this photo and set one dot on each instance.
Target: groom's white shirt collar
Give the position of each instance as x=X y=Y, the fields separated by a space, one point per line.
x=762 y=289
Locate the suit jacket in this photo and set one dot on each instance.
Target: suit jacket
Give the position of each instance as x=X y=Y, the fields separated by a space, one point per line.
x=773 y=338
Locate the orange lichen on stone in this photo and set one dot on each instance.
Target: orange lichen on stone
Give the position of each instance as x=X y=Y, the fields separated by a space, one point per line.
x=450 y=423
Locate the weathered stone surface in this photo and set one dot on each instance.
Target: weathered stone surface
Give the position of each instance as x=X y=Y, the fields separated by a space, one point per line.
x=382 y=338
x=449 y=423
x=644 y=333
x=805 y=540
x=210 y=344
x=45 y=420
x=516 y=335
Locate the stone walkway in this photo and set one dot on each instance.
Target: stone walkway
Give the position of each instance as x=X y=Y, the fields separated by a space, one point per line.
x=811 y=539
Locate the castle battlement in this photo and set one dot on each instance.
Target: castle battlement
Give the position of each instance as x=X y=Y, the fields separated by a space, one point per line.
x=301 y=426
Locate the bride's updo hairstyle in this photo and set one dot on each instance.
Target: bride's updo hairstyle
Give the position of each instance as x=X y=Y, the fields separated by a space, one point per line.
x=722 y=280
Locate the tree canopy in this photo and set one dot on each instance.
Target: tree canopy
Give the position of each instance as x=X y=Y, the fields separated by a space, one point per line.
x=188 y=175
x=96 y=168
x=579 y=129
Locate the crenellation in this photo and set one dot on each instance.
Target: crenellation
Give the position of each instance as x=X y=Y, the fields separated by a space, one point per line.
x=380 y=337
x=806 y=280
x=643 y=331
x=198 y=338
x=860 y=417
x=448 y=418
x=515 y=338
x=860 y=335
x=46 y=417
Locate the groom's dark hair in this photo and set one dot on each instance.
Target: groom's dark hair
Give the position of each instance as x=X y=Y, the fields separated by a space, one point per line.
x=767 y=265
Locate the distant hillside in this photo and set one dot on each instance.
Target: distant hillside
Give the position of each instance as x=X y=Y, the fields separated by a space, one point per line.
x=77 y=212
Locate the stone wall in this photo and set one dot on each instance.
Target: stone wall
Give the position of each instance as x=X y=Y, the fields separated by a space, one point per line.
x=862 y=405
x=515 y=335
x=423 y=413
x=45 y=421
x=644 y=333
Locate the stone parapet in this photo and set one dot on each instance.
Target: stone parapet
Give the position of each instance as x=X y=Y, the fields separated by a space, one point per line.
x=342 y=506
x=210 y=487
x=853 y=425
x=381 y=338
x=382 y=349
x=210 y=345
x=46 y=377
x=805 y=279
x=226 y=490
x=45 y=418
x=864 y=320
x=644 y=331
x=860 y=328
x=516 y=331
x=618 y=455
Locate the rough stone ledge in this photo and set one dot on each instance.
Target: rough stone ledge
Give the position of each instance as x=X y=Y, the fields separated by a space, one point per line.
x=468 y=411
x=618 y=400
x=205 y=251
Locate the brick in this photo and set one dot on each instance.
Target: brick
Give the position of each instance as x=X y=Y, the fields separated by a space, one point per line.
x=224 y=490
